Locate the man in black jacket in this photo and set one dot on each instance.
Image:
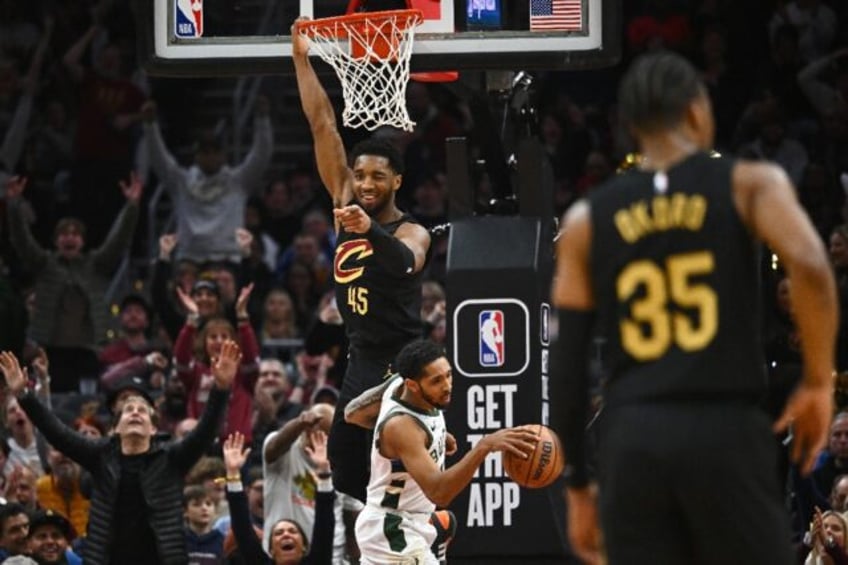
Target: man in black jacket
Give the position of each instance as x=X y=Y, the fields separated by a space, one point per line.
x=136 y=507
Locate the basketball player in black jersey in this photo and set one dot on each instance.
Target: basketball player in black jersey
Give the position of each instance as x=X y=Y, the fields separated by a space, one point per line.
x=662 y=261
x=380 y=254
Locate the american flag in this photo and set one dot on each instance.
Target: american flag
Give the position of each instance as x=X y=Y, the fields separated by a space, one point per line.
x=556 y=15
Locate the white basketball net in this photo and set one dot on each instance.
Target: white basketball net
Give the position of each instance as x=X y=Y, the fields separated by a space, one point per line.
x=371 y=58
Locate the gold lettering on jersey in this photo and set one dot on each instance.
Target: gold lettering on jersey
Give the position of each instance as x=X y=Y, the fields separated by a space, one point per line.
x=346 y=267
x=661 y=213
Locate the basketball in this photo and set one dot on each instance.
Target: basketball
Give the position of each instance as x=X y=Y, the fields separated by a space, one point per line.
x=543 y=466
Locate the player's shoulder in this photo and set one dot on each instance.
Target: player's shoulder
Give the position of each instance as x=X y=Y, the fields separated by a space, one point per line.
x=577 y=214
x=748 y=172
x=409 y=225
x=399 y=422
x=752 y=177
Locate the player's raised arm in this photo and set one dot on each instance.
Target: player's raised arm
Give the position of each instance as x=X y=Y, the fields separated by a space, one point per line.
x=329 y=149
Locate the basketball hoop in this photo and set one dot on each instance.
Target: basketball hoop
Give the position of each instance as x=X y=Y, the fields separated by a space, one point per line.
x=372 y=64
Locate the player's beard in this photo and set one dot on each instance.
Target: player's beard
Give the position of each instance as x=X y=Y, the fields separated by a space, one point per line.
x=379 y=205
x=434 y=402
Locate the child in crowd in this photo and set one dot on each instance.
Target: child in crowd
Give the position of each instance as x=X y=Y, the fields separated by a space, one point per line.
x=205 y=544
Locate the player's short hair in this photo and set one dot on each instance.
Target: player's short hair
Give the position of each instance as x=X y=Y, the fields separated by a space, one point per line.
x=412 y=359
x=380 y=147
x=656 y=90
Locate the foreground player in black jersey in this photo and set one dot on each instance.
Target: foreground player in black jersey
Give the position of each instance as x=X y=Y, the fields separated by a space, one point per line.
x=380 y=253
x=662 y=261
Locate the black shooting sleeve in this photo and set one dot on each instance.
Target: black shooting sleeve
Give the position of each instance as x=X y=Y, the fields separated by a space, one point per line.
x=390 y=251
x=569 y=389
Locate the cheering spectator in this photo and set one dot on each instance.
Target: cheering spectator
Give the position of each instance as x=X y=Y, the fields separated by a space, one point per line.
x=288 y=545
x=136 y=510
x=71 y=316
x=134 y=353
x=210 y=196
x=195 y=367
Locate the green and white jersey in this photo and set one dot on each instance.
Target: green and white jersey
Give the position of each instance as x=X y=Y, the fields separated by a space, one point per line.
x=391 y=487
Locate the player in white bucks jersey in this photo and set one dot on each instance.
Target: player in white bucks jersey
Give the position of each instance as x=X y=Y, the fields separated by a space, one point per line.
x=408 y=480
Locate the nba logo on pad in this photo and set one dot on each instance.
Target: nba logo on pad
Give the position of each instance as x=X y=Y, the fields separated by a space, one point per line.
x=188 y=22
x=491 y=338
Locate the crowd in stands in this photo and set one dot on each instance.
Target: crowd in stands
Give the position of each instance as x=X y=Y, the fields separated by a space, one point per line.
x=86 y=136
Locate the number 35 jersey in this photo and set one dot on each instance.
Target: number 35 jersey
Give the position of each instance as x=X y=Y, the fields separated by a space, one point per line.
x=381 y=309
x=675 y=277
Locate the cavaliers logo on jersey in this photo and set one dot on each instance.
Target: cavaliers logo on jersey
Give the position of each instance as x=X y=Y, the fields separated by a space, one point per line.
x=347 y=267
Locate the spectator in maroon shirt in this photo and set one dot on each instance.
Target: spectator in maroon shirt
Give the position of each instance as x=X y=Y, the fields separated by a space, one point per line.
x=134 y=353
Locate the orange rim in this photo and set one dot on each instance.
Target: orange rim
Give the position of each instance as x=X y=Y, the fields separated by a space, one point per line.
x=435 y=76
x=360 y=20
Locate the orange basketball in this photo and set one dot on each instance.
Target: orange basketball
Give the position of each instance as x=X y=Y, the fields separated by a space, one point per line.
x=543 y=466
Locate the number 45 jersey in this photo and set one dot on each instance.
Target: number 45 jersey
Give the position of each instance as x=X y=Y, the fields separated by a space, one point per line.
x=381 y=308
x=675 y=278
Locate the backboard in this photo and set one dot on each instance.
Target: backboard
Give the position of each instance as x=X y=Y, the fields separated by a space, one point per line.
x=223 y=37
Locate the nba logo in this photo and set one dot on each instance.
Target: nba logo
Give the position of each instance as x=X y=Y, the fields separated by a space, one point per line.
x=189 y=18
x=491 y=338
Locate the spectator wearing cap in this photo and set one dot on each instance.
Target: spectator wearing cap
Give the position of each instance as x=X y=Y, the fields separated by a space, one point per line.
x=14 y=529
x=71 y=317
x=134 y=353
x=210 y=196
x=207 y=295
x=61 y=490
x=326 y=394
x=136 y=505
x=125 y=388
x=197 y=347
x=50 y=535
